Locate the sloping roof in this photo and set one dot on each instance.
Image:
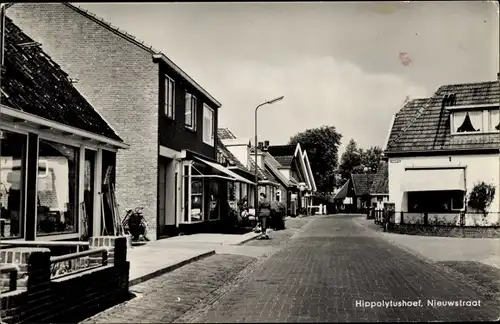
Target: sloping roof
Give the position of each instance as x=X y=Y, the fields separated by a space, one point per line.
x=33 y=83
x=405 y=115
x=274 y=166
x=284 y=161
x=263 y=174
x=282 y=150
x=380 y=183
x=225 y=133
x=429 y=129
x=362 y=182
x=342 y=193
x=137 y=42
x=233 y=161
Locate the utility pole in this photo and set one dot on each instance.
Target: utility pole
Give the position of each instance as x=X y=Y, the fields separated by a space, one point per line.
x=2 y=44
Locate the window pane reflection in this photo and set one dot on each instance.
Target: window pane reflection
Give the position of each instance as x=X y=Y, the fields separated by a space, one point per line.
x=12 y=183
x=57 y=212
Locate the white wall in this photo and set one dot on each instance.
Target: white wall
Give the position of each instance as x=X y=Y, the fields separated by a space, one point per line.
x=239 y=148
x=478 y=168
x=286 y=173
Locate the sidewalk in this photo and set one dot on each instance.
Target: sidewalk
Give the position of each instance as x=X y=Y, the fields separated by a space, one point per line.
x=158 y=257
x=442 y=249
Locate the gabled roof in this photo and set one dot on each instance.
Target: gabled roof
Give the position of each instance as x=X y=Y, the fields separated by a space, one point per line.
x=284 y=161
x=282 y=150
x=342 y=193
x=428 y=128
x=380 y=183
x=263 y=174
x=225 y=133
x=362 y=182
x=309 y=171
x=33 y=83
x=233 y=161
x=273 y=166
x=156 y=54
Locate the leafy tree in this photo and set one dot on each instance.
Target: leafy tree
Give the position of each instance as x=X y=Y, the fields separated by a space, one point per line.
x=481 y=196
x=322 y=145
x=355 y=159
x=350 y=160
x=371 y=158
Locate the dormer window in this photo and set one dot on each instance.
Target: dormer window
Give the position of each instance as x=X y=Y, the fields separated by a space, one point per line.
x=467 y=121
x=474 y=119
x=466 y=125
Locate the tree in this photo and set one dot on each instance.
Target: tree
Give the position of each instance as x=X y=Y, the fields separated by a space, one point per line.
x=481 y=196
x=350 y=160
x=371 y=158
x=322 y=145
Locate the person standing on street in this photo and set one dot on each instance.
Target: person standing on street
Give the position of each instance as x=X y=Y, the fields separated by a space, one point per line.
x=264 y=212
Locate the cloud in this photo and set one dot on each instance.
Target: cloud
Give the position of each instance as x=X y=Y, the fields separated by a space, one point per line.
x=318 y=91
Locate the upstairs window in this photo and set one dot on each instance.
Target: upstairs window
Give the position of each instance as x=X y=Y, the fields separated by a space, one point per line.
x=169 y=97
x=468 y=121
x=494 y=120
x=190 y=108
x=208 y=125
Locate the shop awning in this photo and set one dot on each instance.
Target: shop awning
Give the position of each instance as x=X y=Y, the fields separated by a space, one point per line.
x=224 y=170
x=433 y=180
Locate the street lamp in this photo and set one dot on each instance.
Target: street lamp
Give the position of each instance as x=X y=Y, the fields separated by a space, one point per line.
x=269 y=102
x=366 y=169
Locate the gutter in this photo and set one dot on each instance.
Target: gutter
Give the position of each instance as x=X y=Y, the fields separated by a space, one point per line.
x=160 y=57
x=7 y=111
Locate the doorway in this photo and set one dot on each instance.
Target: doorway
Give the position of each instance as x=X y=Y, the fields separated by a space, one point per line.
x=166 y=197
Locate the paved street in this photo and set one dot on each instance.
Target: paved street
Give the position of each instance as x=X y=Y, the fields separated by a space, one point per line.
x=315 y=274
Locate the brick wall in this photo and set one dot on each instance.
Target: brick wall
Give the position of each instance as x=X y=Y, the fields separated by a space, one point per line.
x=447 y=231
x=119 y=79
x=67 y=299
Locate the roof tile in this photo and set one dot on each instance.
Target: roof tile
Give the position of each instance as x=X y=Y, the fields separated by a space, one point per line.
x=35 y=84
x=423 y=125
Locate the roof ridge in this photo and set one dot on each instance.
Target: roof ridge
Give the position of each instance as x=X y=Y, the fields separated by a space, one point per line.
x=112 y=28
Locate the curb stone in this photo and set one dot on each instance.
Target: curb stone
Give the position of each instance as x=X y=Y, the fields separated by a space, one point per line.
x=170 y=268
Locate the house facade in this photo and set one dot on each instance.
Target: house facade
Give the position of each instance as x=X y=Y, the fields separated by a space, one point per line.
x=439 y=148
x=167 y=118
x=57 y=154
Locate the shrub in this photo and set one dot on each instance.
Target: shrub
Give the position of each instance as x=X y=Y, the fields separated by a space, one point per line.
x=481 y=196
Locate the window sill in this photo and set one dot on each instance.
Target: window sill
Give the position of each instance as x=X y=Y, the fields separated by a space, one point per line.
x=475 y=133
x=57 y=237
x=209 y=144
x=191 y=222
x=191 y=129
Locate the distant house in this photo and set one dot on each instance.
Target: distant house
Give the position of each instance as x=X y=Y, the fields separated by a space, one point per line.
x=168 y=119
x=353 y=195
x=439 y=148
x=294 y=164
x=57 y=153
x=285 y=179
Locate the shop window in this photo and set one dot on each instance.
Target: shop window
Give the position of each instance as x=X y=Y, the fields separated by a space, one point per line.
x=214 y=200
x=12 y=183
x=88 y=193
x=57 y=210
x=435 y=201
x=196 y=200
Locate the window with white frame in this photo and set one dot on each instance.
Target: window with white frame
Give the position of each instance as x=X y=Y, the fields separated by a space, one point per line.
x=190 y=108
x=169 y=97
x=194 y=199
x=494 y=120
x=468 y=121
x=208 y=125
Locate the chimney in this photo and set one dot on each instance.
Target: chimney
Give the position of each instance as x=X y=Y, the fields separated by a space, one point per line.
x=266 y=145
x=498 y=76
x=260 y=145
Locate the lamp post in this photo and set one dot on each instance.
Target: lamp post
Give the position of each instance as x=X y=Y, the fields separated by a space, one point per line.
x=269 y=102
x=366 y=169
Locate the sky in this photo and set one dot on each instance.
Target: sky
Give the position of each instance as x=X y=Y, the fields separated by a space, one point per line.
x=350 y=65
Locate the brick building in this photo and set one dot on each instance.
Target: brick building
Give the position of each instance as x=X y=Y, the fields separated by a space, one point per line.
x=166 y=117
x=53 y=161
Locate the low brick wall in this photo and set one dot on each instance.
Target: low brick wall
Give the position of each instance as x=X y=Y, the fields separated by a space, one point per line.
x=448 y=231
x=71 y=298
